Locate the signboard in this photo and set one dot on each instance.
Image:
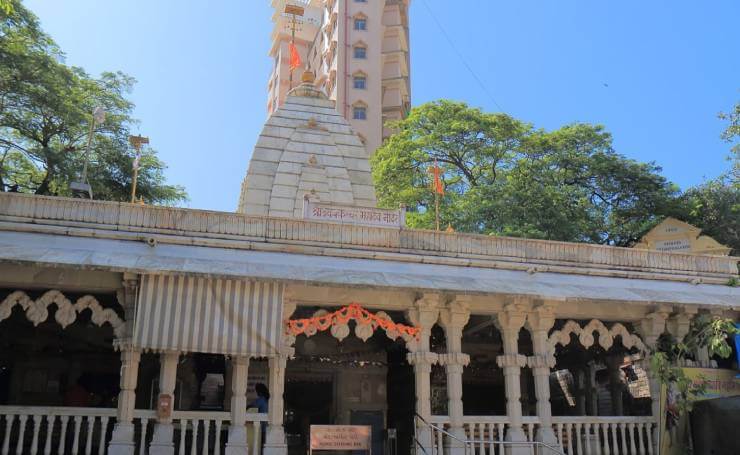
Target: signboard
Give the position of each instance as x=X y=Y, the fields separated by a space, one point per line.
x=674 y=433
x=368 y=216
x=673 y=245
x=164 y=406
x=340 y=437
x=719 y=383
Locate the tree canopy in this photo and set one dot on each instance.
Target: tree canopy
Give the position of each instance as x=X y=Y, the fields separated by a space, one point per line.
x=46 y=111
x=715 y=204
x=503 y=176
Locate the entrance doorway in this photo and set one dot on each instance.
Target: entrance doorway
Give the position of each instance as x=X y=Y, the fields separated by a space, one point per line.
x=349 y=382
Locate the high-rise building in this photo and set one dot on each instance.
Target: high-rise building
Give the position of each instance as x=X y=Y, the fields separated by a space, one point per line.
x=359 y=50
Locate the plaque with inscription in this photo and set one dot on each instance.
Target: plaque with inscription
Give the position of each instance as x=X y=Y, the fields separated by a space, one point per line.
x=346 y=214
x=340 y=437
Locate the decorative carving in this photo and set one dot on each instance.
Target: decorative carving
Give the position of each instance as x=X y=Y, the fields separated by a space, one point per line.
x=541 y=361
x=338 y=322
x=511 y=360
x=15 y=298
x=422 y=358
x=37 y=311
x=586 y=337
x=454 y=358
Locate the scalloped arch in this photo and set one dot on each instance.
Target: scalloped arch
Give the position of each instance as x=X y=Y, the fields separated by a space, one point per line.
x=37 y=311
x=586 y=336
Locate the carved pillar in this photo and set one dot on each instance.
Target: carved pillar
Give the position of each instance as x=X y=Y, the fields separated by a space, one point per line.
x=453 y=318
x=509 y=321
x=162 y=442
x=650 y=329
x=423 y=314
x=539 y=323
x=237 y=439
x=122 y=439
x=275 y=441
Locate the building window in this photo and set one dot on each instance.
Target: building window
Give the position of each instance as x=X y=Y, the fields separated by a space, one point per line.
x=360 y=52
x=359 y=113
x=359 y=82
x=360 y=24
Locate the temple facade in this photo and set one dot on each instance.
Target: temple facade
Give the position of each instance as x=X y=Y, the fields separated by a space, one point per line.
x=127 y=328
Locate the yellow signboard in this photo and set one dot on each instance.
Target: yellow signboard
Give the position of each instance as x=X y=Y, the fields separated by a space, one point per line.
x=719 y=383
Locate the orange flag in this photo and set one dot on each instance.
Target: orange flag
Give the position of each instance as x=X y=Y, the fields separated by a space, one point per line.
x=437 y=183
x=295 y=58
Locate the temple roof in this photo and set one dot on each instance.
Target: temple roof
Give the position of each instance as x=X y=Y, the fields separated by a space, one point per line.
x=306 y=148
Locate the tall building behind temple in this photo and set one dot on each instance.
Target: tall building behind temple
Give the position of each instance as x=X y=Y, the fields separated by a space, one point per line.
x=359 y=50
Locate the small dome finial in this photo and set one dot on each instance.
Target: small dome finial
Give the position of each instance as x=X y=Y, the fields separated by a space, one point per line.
x=308 y=77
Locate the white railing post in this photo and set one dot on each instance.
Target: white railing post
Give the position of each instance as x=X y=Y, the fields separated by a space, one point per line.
x=236 y=443
x=162 y=438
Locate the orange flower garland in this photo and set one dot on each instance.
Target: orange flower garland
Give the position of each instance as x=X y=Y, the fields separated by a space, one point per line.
x=342 y=316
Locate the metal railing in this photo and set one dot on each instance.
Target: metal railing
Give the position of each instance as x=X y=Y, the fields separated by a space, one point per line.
x=469 y=446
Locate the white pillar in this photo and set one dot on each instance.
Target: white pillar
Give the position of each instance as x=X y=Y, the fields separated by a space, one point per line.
x=162 y=442
x=539 y=323
x=275 y=441
x=510 y=320
x=122 y=439
x=237 y=439
x=423 y=314
x=453 y=318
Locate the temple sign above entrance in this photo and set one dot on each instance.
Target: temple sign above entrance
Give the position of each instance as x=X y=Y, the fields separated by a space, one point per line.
x=345 y=214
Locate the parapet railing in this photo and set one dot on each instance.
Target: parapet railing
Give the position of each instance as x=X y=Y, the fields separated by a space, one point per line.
x=439 y=247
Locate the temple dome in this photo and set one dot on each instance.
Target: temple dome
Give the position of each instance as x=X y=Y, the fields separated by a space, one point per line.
x=306 y=147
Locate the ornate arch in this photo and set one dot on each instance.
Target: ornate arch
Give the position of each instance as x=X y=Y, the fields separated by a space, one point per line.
x=37 y=311
x=586 y=335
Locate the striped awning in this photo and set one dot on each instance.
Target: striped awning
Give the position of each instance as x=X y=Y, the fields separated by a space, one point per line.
x=190 y=314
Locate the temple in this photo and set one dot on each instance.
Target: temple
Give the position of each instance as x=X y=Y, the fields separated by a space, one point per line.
x=127 y=328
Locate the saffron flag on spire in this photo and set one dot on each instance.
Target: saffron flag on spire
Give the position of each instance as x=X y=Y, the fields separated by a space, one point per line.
x=295 y=58
x=437 y=182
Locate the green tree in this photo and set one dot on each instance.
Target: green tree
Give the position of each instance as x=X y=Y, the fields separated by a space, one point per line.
x=502 y=176
x=706 y=331
x=715 y=204
x=45 y=114
x=731 y=135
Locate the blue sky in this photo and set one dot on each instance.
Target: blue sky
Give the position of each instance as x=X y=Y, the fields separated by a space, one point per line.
x=655 y=73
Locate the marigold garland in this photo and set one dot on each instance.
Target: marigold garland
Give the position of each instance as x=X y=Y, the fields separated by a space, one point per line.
x=342 y=316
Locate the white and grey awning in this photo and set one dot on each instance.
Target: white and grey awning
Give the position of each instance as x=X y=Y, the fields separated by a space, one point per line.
x=218 y=316
x=137 y=257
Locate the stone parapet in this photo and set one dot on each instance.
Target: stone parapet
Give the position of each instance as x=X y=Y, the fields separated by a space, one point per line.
x=165 y=224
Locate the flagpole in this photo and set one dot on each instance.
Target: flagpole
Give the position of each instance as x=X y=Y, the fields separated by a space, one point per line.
x=294 y=11
x=436 y=207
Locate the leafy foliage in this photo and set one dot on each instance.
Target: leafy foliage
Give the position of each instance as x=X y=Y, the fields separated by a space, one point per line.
x=707 y=332
x=715 y=205
x=503 y=176
x=45 y=116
